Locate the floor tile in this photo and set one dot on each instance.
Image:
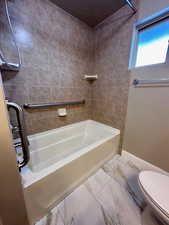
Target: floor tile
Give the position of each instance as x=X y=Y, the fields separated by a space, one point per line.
x=110 y=197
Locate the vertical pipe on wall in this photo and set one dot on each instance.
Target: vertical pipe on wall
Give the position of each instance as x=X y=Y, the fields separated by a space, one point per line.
x=131 y=5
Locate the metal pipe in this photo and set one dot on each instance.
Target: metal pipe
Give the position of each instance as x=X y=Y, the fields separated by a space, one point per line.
x=131 y=5
x=9 y=66
x=137 y=82
x=22 y=131
x=33 y=106
x=4 y=65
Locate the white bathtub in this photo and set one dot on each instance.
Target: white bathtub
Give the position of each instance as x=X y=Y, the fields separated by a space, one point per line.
x=61 y=159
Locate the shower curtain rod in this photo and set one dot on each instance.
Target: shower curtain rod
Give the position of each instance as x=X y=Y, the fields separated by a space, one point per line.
x=131 y=5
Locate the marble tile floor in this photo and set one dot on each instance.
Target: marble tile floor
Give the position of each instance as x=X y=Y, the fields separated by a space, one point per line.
x=110 y=197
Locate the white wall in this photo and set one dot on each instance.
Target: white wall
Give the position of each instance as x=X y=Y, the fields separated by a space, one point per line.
x=147 y=123
x=149 y=7
x=12 y=205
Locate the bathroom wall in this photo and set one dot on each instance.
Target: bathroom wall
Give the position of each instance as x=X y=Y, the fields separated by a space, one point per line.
x=56 y=50
x=112 y=48
x=11 y=189
x=147 y=8
x=147 y=127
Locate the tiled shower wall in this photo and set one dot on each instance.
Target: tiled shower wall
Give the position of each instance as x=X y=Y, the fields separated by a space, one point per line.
x=56 y=50
x=112 y=49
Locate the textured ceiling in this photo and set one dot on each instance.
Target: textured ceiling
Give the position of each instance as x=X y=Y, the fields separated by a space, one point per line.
x=91 y=12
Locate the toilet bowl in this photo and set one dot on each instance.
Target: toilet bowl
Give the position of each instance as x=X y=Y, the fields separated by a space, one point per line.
x=155 y=188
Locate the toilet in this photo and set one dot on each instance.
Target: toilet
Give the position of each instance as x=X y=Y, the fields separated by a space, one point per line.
x=155 y=188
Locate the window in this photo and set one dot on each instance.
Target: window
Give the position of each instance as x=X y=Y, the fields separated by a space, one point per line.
x=151 y=42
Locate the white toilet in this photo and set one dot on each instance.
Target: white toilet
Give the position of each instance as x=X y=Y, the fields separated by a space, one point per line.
x=155 y=188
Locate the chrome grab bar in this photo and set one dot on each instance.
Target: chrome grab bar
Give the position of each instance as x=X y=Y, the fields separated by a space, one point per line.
x=22 y=131
x=137 y=82
x=33 y=106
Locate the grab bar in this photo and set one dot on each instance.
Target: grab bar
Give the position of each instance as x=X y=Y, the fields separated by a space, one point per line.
x=22 y=131
x=33 y=106
x=137 y=82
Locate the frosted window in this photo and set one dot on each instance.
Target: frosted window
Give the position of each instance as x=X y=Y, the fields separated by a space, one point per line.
x=153 y=44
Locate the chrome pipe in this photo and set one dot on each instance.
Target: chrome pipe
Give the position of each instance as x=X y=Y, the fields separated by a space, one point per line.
x=9 y=66
x=34 y=106
x=22 y=131
x=131 y=5
x=4 y=64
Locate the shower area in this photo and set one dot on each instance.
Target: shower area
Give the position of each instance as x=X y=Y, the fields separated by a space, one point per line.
x=66 y=79
x=56 y=52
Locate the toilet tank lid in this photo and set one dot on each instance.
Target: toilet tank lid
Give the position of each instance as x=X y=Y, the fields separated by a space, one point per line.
x=156 y=186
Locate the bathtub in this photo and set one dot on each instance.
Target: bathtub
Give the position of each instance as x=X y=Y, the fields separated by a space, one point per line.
x=63 y=158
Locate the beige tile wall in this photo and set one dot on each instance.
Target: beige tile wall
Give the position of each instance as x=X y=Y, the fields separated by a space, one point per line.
x=56 y=49
x=112 y=49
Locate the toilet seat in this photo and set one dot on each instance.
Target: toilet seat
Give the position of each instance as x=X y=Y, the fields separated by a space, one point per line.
x=155 y=186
